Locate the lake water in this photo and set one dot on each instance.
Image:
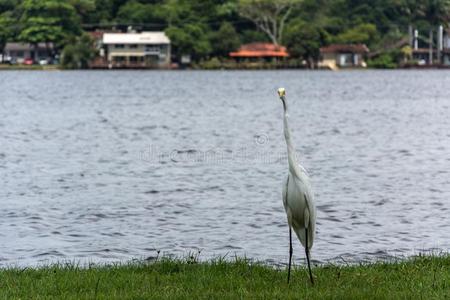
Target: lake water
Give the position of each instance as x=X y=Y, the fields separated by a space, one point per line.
x=111 y=166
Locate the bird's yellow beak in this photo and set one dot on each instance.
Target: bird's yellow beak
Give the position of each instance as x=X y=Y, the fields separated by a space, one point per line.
x=281 y=92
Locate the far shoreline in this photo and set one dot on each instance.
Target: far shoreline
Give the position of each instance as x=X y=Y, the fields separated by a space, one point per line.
x=58 y=68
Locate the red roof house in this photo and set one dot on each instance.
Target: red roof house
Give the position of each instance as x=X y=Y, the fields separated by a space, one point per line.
x=260 y=50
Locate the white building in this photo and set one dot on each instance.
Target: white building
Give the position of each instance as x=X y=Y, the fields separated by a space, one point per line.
x=337 y=56
x=145 y=49
x=446 y=49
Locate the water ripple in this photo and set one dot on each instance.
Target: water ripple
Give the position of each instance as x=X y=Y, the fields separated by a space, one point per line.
x=111 y=166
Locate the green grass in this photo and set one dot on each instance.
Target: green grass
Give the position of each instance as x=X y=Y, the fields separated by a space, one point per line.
x=417 y=278
x=6 y=67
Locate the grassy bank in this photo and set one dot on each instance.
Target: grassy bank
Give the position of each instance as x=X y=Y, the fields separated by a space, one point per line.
x=6 y=67
x=418 y=278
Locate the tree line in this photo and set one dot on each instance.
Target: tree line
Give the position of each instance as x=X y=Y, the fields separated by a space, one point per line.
x=208 y=29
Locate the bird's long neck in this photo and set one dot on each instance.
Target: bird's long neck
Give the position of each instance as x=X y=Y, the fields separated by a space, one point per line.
x=292 y=159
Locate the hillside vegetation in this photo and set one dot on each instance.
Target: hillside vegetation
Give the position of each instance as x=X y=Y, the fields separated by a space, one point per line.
x=207 y=29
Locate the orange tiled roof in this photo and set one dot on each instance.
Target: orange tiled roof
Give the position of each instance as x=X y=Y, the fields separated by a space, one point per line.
x=260 y=50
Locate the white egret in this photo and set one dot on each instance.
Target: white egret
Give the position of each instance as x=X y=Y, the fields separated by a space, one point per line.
x=298 y=198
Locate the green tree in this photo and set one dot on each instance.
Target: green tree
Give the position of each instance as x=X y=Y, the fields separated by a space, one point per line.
x=215 y=27
x=102 y=13
x=269 y=16
x=8 y=5
x=434 y=12
x=225 y=40
x=190 y=23
x=48 y=21
x=83 y=8
x=304 y=41
x=135 y=12
x=78 y=53
x=363 y=33
x=6 y=31
x=384 y=61
x=250 y=36
x=190 y=39
x=204 y=12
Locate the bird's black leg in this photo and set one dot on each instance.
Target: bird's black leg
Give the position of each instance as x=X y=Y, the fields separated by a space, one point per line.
x=290 y=252
x=307 y=256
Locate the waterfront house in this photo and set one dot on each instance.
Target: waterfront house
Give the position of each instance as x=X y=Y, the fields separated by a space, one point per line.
x=136 y=50
x=19 y=52
x=425 y=53
x=422 y=56
x=446 y=57
x=258 y=51
x=446 y=49
x=343 y=56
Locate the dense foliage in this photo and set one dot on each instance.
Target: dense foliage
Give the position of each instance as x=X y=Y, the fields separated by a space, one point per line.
x=206 y=29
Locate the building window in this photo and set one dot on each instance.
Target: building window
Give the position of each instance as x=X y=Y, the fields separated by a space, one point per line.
x=133 y=46
x=119 y=59
x=119 y=46
x=152 y=49
x=345 y=59
x=135 y=59
x=20 y=54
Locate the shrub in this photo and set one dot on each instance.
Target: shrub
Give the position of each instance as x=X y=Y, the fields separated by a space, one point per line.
x=77 y=55
x=384 y=61
x=212 y=64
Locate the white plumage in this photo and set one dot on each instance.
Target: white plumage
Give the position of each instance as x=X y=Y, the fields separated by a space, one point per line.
x=298 y=198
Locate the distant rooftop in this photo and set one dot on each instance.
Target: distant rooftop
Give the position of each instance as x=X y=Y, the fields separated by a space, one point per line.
x=260 y=50
x=147 y=38
x=25 y=46
x=337 y=48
